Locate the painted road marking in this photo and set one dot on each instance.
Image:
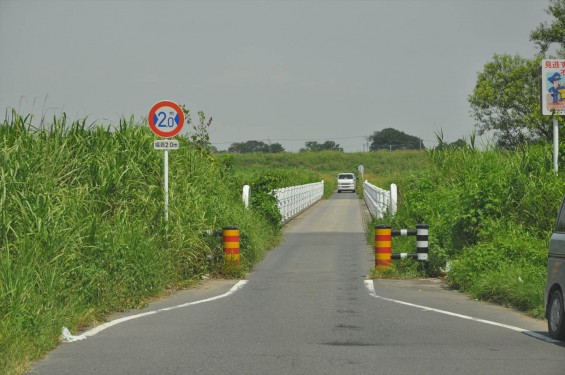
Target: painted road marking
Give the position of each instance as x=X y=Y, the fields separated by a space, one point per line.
x=112 y=323
x=369 y=285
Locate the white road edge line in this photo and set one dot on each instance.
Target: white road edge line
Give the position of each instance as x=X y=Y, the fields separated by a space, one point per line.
x=369 y=285
x=112 y=323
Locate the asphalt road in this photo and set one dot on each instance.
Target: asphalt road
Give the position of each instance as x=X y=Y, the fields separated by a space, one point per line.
x=308 y=308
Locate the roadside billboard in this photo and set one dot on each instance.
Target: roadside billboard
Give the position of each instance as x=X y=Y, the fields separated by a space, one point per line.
x=553 y=87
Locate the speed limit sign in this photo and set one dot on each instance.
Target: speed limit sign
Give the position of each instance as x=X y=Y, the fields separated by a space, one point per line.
x=166 y=119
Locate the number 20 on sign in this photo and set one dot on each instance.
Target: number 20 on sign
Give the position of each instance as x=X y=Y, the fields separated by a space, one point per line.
x=166 y=119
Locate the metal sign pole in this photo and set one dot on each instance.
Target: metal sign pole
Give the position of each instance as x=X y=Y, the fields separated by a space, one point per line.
x=166 y=185
x=166 y=119
x=555 y=143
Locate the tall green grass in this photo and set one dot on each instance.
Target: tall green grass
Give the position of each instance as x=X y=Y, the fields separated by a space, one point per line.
x=490 y=215
x=82 y=232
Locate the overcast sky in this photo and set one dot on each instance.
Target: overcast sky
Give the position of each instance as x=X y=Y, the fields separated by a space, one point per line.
x=274 y=71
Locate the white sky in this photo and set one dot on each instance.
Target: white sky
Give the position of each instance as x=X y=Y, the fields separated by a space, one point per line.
x=275 y=71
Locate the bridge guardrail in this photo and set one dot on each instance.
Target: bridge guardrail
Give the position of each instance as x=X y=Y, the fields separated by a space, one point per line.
x=292 y=200
x=380 y=201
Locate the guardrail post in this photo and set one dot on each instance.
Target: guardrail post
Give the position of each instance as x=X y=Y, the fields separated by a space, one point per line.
x=231 y=245
x=383 y=245
x=422 y=247
x=245 y=195
x=393 y=199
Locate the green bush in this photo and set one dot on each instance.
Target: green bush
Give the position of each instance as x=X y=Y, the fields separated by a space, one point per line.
x=490 y=214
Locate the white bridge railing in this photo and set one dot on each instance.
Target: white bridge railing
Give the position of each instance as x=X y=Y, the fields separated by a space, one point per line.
x=380 y=201
x=294 y=199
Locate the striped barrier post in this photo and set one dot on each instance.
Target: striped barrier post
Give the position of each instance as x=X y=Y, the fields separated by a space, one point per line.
x=383 y=245
x=422 y=241
x=231 y=245
x=422 y=247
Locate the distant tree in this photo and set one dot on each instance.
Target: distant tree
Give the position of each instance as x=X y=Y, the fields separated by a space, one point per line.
x=276 y=148
x=506 y=100
x=460 y=143
x=326 y=146
x=248 y=147
x=255 y=146
x=545 y=35
x=392 y=139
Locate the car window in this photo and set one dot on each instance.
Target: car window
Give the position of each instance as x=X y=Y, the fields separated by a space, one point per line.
x=560 y=226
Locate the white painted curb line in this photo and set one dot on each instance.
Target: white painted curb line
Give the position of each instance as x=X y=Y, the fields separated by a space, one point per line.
x=370 y=287
x=112 y=323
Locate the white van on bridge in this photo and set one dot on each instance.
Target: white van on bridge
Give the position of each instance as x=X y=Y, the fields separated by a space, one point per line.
x=346 y=181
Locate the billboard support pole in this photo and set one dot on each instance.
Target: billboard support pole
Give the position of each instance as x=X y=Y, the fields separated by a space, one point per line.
x=555 y=143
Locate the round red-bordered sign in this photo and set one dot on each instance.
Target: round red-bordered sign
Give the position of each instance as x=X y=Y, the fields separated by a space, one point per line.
x=166 y=119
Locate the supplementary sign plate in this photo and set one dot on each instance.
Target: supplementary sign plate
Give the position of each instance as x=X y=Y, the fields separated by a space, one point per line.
x=168 y=144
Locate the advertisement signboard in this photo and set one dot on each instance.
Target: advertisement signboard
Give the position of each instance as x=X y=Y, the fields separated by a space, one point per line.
x=553 y=87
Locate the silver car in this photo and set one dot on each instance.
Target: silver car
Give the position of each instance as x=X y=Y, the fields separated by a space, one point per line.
x=556 y=279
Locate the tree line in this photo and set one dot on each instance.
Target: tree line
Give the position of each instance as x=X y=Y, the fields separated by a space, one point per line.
x=388 y=139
